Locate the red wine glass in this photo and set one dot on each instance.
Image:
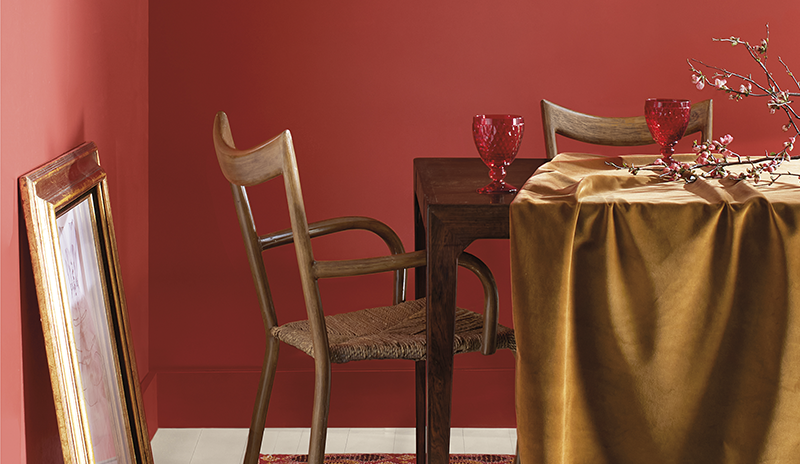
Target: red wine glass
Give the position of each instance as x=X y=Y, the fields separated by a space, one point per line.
x=497 y=137
x=667 y=120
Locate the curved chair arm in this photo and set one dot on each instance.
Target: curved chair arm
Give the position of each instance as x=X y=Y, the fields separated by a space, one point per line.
x=354 y=267
x=491 y=312
x=362 y=266
x=329 y=226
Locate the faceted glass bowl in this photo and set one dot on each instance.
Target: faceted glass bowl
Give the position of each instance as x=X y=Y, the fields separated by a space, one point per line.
x=497 y=137
x=667 y=120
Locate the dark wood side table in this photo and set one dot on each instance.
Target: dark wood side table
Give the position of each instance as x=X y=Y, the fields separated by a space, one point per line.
x=448 y=216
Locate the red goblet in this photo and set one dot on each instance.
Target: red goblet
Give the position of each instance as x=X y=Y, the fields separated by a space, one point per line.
x=667 y=120
x=497 y=137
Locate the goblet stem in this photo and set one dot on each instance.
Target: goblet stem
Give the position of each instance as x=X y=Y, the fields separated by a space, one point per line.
x=498 y=184
x=497 y=173
x=667 y=151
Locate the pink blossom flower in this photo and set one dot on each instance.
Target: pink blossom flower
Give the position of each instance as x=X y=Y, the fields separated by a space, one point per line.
x=726 y=139
x=746 y=90
x=699 y=147
x=720 y=83
x=770 y=165
x=777 y=101
x=698 y=81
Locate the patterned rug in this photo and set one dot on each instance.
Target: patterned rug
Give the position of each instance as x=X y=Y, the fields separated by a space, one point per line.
x=385 y=459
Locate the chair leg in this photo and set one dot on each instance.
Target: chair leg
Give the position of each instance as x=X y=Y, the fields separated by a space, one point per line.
x=319 y=420
x=419 y=371
x=256 y=433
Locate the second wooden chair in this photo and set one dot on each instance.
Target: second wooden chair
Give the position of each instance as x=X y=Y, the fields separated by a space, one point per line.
x=598 y=130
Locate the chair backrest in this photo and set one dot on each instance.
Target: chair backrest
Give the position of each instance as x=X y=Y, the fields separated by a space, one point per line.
x=244 y=168
x=599 y=130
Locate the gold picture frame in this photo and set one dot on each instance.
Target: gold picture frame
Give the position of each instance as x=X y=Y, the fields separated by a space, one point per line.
x=83 y=311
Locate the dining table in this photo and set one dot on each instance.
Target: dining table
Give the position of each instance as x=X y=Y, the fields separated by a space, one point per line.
x=449 y=215
x=656 y=321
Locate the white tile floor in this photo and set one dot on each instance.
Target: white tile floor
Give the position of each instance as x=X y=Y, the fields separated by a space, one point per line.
x=223 y=446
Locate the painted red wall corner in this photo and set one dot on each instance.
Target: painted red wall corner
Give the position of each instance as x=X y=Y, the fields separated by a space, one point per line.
x=69 y=72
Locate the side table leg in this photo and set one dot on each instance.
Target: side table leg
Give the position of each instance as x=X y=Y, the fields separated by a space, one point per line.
x=420 y=387
x=441 y=275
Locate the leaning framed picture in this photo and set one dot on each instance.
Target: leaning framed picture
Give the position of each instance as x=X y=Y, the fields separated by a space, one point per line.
x=83 y=312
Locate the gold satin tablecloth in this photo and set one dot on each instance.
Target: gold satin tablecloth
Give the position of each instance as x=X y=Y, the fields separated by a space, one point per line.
x=656 y=322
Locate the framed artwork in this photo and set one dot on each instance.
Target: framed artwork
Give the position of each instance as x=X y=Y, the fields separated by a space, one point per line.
x=83 y=311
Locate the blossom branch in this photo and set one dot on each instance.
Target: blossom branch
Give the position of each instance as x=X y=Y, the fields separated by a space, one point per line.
x=756 y=53
x=714 y=157
x=789 y=72
x=700 y=80
x=716 y=153
x=713 y=162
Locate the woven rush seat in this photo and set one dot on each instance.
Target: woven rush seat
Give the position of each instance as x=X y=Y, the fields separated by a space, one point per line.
x=388 y=332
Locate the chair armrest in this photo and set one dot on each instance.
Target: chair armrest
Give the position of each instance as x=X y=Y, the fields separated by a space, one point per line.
x=329 y=226
x=362 y=266
x=491 y=313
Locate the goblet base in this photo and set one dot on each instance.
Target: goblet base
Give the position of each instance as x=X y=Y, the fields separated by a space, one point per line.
x=497 y=186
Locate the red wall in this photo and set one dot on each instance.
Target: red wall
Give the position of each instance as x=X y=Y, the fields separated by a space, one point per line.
x=71 y=71
x=365 y=87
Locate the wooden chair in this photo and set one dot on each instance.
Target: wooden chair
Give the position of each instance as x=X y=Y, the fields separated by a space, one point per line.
x=392 y=332
x=618 y=132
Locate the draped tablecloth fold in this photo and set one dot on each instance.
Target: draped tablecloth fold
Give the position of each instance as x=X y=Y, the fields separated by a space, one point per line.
x=656 y=322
